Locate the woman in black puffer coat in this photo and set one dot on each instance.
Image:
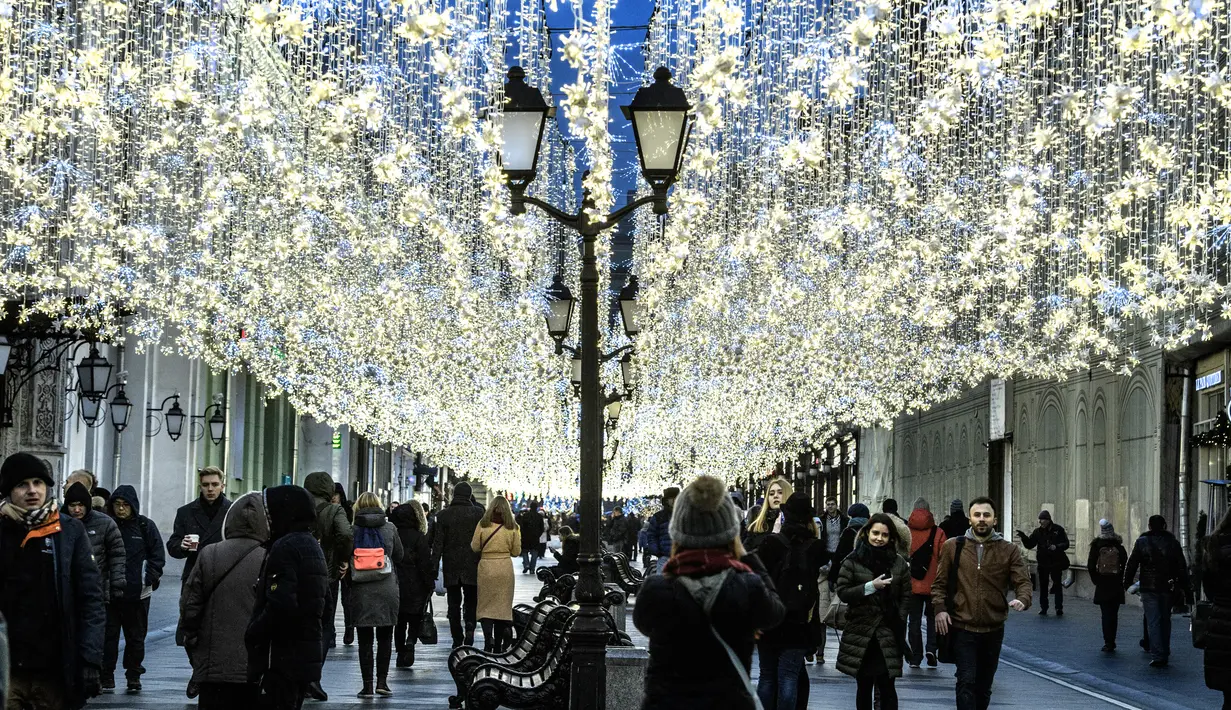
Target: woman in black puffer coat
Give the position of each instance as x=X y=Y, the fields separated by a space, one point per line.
x=1218 y=589
x=875 y=582
x=415 y=576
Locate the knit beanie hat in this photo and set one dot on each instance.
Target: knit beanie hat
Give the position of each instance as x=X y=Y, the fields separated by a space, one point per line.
x=462 y=491
x=956 y=507
x=1044 y=515
x=798 y=509
x=858 y=510
x=19 y=467
x=78 y=494
x=704 y=515
x=921 y=503
x=889 y=506
x=1106 y=527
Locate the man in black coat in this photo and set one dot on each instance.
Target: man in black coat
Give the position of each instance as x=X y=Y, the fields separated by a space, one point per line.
x=531 y=522
x=50 y=593
x=455 y=527
x=617 y=530
x=144 y=561
x=199 y=521
x=1051 y=541
x=1164 y=573
x=956 y=523
x=284 y=635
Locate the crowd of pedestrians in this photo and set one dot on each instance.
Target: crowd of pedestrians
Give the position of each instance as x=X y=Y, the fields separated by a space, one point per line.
x=264 y=575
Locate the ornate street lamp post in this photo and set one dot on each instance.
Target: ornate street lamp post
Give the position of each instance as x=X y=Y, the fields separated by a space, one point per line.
x=661 y=123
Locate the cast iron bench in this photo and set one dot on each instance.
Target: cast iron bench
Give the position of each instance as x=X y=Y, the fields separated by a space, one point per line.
x=623 y=575
x=544 y=625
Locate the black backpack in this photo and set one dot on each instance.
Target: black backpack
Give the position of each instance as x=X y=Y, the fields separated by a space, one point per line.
x=921 y=559
x=797 y=585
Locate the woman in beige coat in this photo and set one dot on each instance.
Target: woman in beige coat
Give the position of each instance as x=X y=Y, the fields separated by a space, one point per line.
x=497 y=539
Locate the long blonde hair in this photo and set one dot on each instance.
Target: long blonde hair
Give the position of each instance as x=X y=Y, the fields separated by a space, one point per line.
x=499 y=505
x=761 y=524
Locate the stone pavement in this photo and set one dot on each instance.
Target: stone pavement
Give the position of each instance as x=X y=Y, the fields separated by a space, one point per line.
x=1047 y=663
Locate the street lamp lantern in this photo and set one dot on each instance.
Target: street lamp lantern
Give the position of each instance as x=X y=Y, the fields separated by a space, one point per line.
x=630 y=310
x=6 y=347
x=626 y=372
x=175 y=420
x=659 y=113
x=93 y=372
x=522 y=121
x=560 y=305
x=217 y=425
x=90 y=408
x=120 y=409
x=575 y=377
x=613 y=412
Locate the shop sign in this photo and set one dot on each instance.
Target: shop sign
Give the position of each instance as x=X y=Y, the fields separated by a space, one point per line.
x=1211 y=380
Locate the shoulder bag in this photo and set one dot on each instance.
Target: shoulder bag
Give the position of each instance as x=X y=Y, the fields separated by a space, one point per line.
x=944 y=649
x=695 y=591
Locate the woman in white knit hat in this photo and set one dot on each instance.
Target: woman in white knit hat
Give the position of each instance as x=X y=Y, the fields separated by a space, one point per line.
x=702 y=613
x=1106 y=567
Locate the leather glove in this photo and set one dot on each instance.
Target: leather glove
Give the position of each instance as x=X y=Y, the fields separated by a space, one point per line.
x=91 y=681
x=154 y=586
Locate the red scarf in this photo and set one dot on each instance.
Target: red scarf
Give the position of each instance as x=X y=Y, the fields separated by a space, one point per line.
x=702 y=563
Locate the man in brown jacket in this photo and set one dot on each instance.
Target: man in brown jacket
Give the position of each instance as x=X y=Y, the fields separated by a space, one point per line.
x=987 y=567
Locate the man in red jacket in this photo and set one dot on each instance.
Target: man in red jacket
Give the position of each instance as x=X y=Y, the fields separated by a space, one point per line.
x=926 y=539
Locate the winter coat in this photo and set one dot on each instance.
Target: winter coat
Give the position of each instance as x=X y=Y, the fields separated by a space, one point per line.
x=376 y=603
x=617 y=531
x=284 y=634
x=880 y=615
x=751 y=539
x=107 y=549
x=846 y=545
x=794 y=631
x=332 y=528
x=191 y=519
x=843 y=520
x=143 y=552
x=78 y=600
x=903 y=534
x=985 y=572
x=414 y=570
x=955 y=526
x=1160 y=561
x=688 y=668
x=532 y=525
x=1108 y=589
x=567 y=556
x=220 y=594
x=496 y=546
x=1217 y=583
x=922 y=526
x=1043 y=539
x=658 y=534
x=451 y=542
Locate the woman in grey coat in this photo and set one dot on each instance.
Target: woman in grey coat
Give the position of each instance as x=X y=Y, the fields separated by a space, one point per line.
x=374 y=598
x=217 y=603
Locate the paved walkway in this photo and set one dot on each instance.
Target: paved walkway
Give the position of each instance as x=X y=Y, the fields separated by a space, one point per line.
x=1047 y=663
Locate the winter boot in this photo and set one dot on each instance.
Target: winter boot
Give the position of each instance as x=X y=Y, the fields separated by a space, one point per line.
x=382 y=687
x=367 y=691
x=108 y=682
x=134 y=686
x=349 y=636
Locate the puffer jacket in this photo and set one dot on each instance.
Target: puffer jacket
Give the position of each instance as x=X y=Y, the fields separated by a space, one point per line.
x=376 y=602
x=880 y=615
x=284 y=633
x=1108 y=589
x=414 y=570
x=922 y=526
x=331 y=528
x=658 y=534
x=689 y=669
x=986 y=571
x=144 y=556
x=1217 y=583
x=1158 y=556
x=797 y=630
x=220 y=594
x=107 y=548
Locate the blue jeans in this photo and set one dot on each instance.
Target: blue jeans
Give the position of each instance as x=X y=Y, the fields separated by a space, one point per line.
x=530 y=557
x=1158 y=623
x=781 y=668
